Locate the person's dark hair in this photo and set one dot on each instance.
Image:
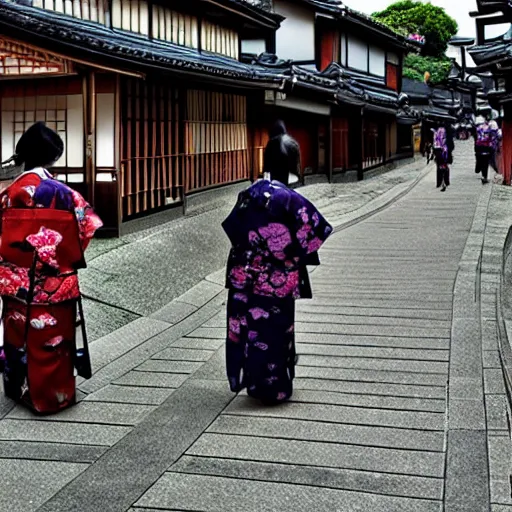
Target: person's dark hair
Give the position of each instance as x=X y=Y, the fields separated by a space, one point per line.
x=278 y=129
x=39 y=146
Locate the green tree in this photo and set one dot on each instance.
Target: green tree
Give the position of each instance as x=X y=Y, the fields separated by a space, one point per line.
x=414 y=17
x=430 y=21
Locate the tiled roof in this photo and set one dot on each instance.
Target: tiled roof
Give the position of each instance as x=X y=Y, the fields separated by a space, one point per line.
x=127 y=51
x=488 y=55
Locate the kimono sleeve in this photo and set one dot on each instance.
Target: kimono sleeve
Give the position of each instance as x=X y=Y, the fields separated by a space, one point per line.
x=88 y=221
x=310 y=228
x=232 y=225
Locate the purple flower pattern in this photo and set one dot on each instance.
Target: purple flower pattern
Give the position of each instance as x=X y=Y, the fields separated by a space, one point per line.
x=274 y=233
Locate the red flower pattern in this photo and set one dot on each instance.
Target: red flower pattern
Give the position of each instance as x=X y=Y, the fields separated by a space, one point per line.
x=45 y=243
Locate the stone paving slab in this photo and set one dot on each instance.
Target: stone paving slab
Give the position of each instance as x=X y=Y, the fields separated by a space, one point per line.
x=315 y=453
x=90 y=412
x=181 y=354
x=58 y=452
x=197 y=344
x=395 y=314
x=168 y=366
x=425 y=379
x=174 y=312
x=373 y=341
x=371 y=388
x=113 y=346
x=369 y=363
x=373 y=401
x=28 y=484
x=152 y=379
x=363 y=435
x=493 y=381
x=341 y=414
x=333 y=478
x=348 y=351
x=62 y=432
x=130 y=395
x=210 y=494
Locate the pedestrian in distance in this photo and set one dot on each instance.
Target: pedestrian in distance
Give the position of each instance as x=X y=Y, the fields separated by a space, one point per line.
x=274 y=233
x=45 y=227
x=281 y=159
x=484 y=147
x=496 y=144
x=443 y=154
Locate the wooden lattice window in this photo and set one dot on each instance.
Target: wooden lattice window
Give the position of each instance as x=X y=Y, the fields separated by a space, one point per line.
x=217 y=39
x=215 y=139
x=131 y=15
x=373 y=150
x=175 y=27
x=24 y=112
x=62 y=113
x=151 y=162
x=18 y=59
x=90 y=10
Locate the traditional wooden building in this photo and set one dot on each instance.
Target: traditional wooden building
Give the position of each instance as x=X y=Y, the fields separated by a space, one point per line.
x=157 y=101
x=344 y=108
x=494 y=55
x=151 y=101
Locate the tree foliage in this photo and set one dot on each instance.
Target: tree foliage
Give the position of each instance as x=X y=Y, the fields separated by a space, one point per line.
x=413 y=17
x=415 y=67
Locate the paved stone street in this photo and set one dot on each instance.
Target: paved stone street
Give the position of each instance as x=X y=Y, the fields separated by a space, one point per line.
x=134 y=277
x=400 y=402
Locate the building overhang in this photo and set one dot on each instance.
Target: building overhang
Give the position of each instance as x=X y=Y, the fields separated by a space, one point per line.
x=97 y=46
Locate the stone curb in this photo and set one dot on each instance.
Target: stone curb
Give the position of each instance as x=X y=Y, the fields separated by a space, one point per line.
x=478 y=411
x=467 y=465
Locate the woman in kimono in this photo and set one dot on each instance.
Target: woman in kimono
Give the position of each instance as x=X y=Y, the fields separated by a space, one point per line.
x=485 y=137
x=274 y=233
x=40 y=253
x=443 y=156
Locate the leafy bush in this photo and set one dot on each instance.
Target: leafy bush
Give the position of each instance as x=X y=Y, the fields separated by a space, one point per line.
x=415 y=67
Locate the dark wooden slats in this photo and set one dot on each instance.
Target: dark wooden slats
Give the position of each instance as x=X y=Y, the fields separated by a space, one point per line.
x=177 y=141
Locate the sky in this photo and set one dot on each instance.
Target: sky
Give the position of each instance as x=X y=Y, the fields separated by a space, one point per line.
x=455 y=8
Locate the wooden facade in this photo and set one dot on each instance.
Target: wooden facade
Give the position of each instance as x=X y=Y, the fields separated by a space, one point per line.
x=155 y=102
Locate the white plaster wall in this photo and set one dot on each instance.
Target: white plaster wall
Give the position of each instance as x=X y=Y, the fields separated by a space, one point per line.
x=377 y=61
x=295 y=39
x=75 y=131
x=343 y=49
x=357 y=54
x=254 y=46
x=105 y=130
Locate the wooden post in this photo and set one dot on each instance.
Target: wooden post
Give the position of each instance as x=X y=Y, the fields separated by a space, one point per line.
x=89 y=109
x=331 y=149
x=118 y=150
x=360 y=148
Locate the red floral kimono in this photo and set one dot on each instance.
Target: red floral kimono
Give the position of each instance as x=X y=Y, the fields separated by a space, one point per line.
x=45 y=228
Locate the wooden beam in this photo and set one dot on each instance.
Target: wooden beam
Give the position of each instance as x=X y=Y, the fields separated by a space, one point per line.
x=89 y=115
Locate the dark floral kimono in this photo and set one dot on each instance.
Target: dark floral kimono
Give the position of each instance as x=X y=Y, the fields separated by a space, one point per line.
x=275 y=233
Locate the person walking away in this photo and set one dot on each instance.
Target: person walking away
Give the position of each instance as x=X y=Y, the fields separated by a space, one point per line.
x=483 y=148
x=496 y=144
x=274 y=233
x=281 y=159
x=442 y=157
x=45 y=227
